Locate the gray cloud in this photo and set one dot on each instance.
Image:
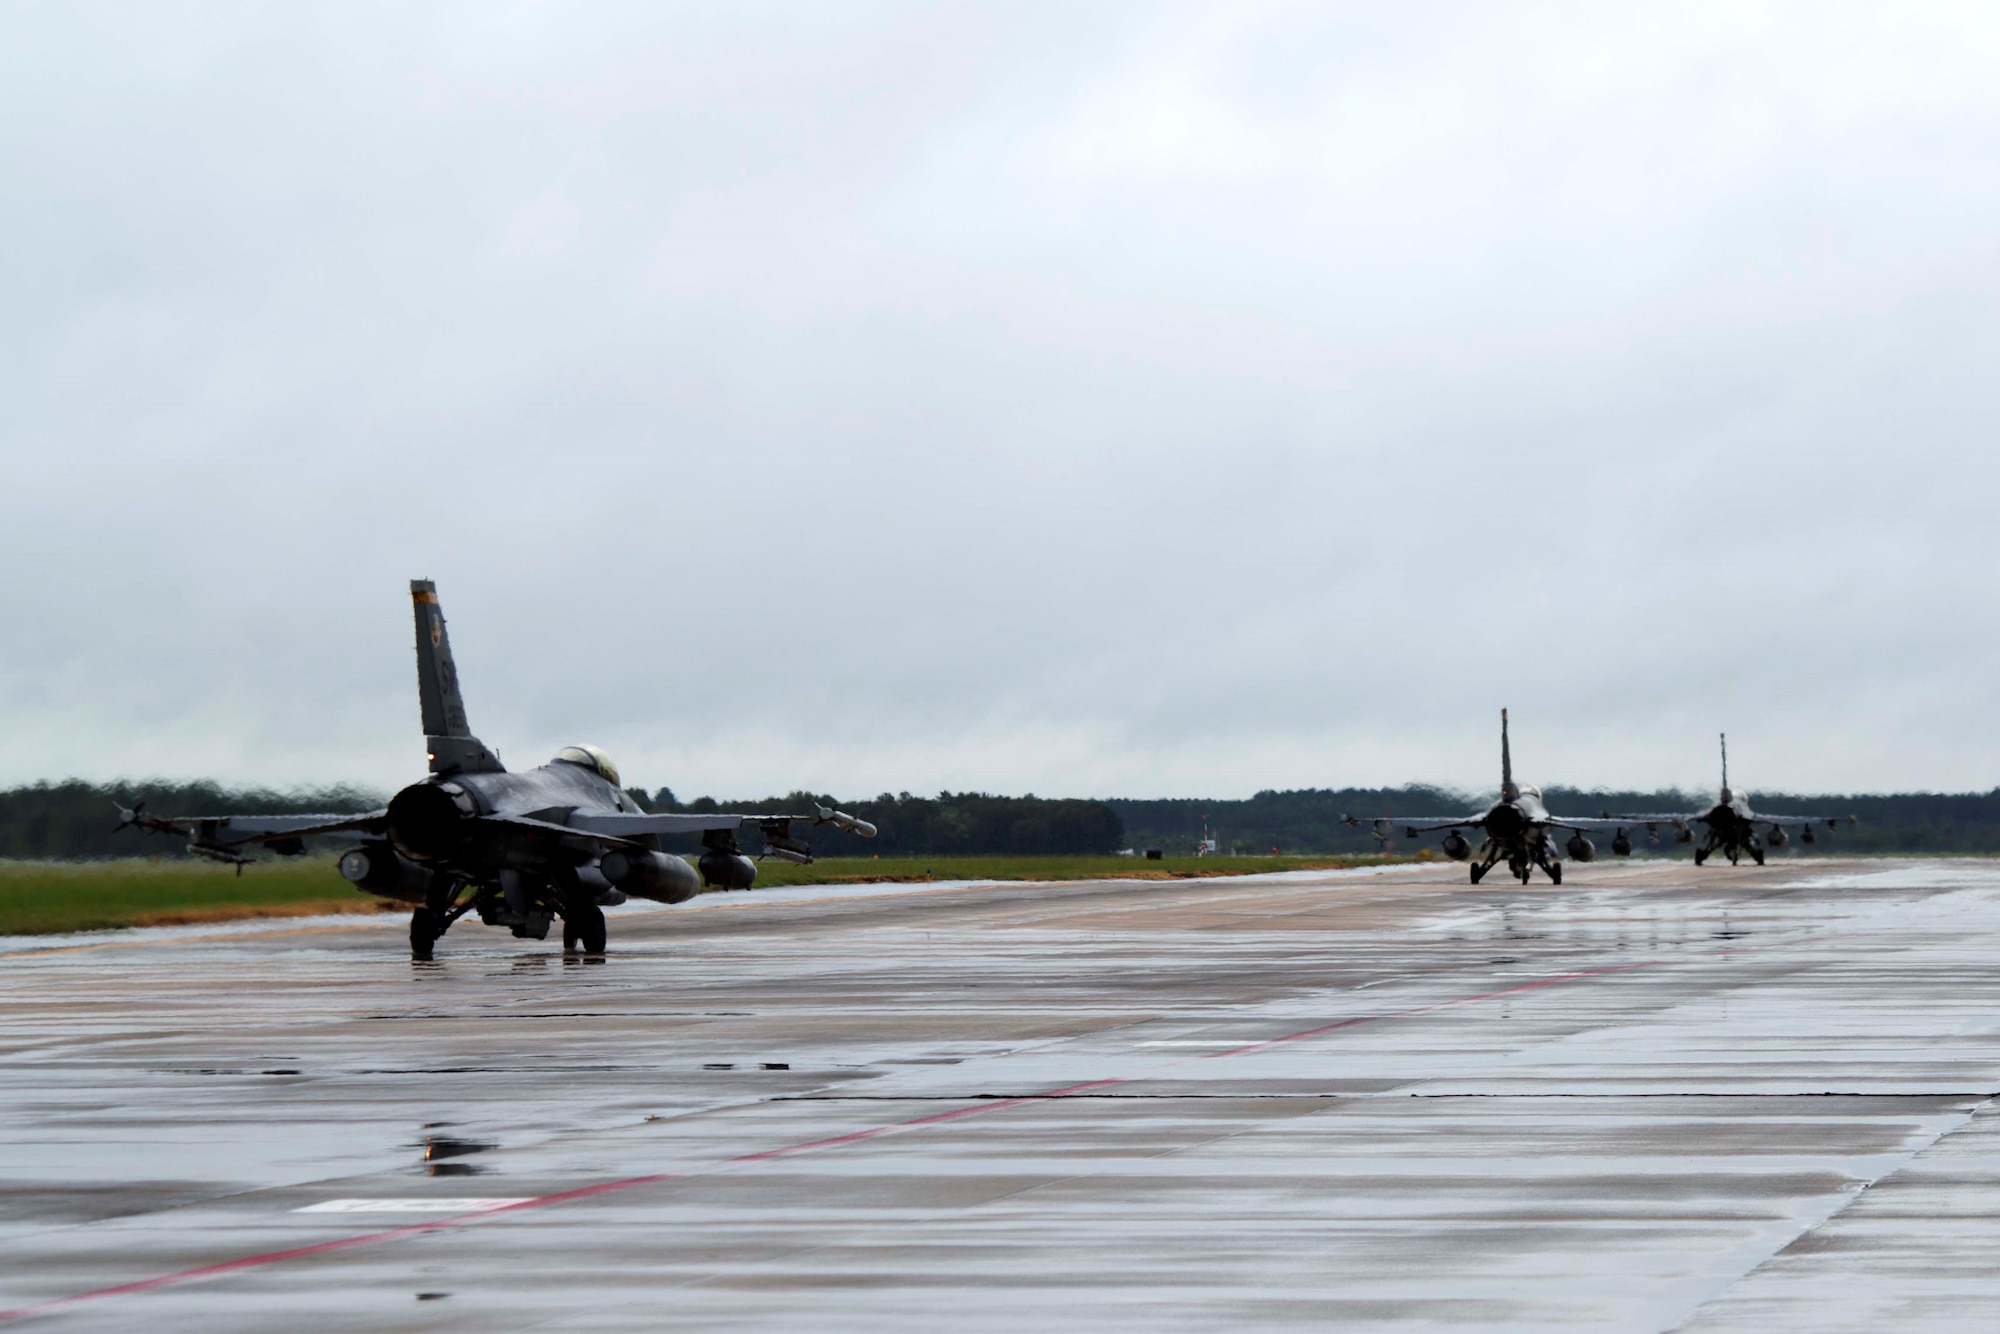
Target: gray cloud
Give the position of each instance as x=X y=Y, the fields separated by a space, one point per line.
x=1121 y=399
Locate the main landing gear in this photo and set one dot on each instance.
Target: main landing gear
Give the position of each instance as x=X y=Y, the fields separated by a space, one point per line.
x=583 y=928
x=425 y=928
x=1520 y=869
x=1734 y=851
x=582 y=919
x=439 y=910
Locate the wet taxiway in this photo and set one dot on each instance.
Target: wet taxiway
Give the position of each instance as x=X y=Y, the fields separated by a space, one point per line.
x=1652 y=1098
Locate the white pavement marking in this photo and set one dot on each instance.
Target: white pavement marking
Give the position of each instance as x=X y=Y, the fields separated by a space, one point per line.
x=429 y=1205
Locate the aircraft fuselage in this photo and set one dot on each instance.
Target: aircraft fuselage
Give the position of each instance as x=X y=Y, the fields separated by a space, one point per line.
x=1732 y=831
x=427 y=820
x=1517 y=833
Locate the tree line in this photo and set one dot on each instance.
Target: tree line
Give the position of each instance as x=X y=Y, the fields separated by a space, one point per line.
x=1309 y=821
x=64 y=821
x=75 y=819
x=951 y=823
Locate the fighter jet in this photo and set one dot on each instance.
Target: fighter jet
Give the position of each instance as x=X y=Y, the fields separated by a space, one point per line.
x=520 y=849
x=1732 y=825
x=1517 y=828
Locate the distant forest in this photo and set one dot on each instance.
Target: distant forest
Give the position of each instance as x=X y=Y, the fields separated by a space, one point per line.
x=1309 y=820
x=76 y=819
x=947 y=824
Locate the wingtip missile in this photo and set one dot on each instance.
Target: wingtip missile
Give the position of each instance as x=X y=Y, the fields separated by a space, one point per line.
x=134 y=817
x=847 y=824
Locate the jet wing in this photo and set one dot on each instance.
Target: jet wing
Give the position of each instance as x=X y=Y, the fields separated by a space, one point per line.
x=1414 y=825
x=1598 y=824
x=230 y=831
x=618 y=824
x=254 y=828
x=222 y=838
x=621 y=825
x=1801 y=821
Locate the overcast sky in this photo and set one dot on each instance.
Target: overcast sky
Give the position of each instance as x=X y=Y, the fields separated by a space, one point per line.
x=1117 y=399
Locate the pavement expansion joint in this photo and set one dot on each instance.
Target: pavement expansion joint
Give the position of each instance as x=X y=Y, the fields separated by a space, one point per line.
x=1829 y=1219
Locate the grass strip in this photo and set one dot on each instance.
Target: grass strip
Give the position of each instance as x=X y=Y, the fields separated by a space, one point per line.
x=44 y=898
x=41 y=898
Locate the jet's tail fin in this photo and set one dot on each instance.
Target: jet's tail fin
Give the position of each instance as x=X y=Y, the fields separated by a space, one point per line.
x=1725 y=765
x=447 y=735
x=1508 y=791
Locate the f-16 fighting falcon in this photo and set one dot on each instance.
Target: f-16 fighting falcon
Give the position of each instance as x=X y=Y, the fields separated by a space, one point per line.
x=1517 y=828
x=1732 y=825
x=520 y=849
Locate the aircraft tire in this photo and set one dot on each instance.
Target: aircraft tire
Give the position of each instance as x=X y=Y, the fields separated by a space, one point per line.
x=1758 y=853
x=586 y=921
x=423 y=934
x=1477 y=872
x=1556 y=872
x=1699 y=856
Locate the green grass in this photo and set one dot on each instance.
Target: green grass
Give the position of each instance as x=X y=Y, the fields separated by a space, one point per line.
x=41 y=898
x=37 y=898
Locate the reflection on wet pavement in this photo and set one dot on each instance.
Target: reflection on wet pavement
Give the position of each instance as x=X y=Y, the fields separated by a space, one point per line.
x=438 y=1150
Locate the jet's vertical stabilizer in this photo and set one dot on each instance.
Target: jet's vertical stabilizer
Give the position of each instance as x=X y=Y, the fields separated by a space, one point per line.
x=447 y=735
x=1508 y=792
x=1726 y=794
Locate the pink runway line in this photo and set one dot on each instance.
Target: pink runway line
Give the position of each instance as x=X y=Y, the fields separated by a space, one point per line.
x=832 y=1142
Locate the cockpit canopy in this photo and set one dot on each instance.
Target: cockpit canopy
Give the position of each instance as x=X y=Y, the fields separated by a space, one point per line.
x=592 y=758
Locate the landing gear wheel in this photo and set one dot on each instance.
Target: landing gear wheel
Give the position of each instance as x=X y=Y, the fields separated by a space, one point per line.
x=1700 y=856
x=1556 y=872
x=1758 y=854
x=424 y=932
x=583 y=925
x=1477 y=872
